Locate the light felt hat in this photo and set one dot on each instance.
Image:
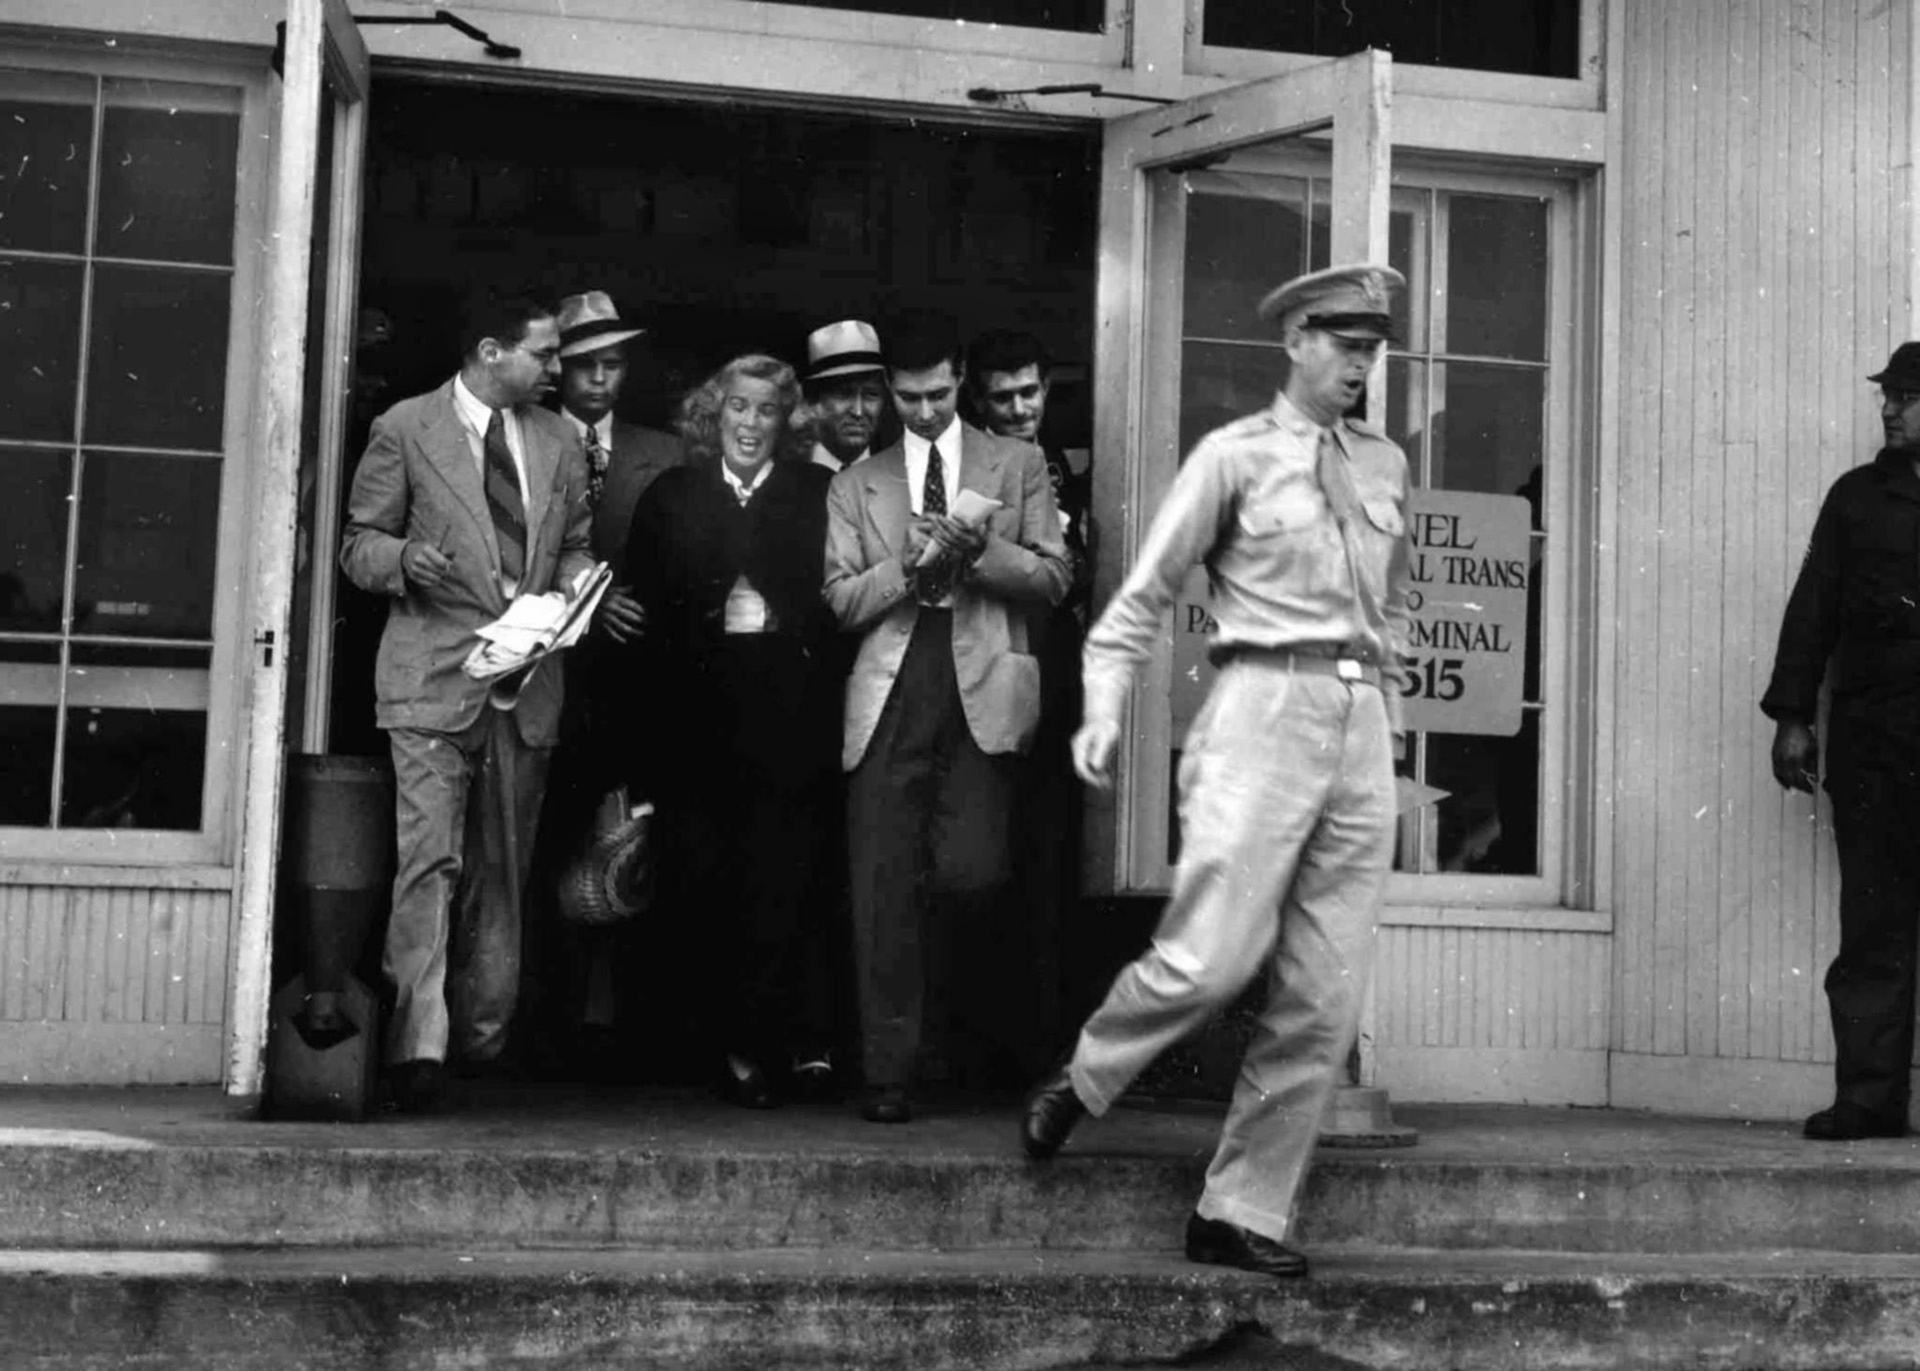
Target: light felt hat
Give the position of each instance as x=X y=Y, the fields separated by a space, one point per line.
x=589 y=321
x=848 y=348
x=1353 y=299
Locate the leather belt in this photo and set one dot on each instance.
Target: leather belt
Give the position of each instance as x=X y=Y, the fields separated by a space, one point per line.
x=1307 y=662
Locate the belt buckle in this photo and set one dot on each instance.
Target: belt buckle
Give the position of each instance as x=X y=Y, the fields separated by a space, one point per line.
x=1347 y=669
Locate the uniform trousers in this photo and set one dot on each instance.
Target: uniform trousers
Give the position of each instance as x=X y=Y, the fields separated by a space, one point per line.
x=928 y=853
x=466 y=808
x=1287 y=828
x=1875 y=787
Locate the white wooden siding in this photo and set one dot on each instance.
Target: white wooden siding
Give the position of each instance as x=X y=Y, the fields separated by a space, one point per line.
x=1763 y=168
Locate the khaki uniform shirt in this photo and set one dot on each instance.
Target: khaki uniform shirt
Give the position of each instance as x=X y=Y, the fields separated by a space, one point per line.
x=1249 y=504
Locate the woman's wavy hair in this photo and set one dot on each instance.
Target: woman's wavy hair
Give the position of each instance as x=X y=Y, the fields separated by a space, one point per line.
x=699 y=418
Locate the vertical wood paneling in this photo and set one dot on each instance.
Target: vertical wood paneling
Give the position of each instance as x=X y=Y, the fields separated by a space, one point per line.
x=1492 y=988
x=126 y=954
x=1763 y=269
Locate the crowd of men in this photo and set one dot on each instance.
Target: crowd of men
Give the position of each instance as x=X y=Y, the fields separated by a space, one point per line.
x=932 y=583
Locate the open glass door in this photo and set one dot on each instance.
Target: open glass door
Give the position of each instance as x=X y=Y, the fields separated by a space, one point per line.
x=310 y=272
x=1196 y=225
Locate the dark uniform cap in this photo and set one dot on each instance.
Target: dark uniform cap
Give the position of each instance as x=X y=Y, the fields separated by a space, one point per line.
x=1902 y=370
x=1355 y=299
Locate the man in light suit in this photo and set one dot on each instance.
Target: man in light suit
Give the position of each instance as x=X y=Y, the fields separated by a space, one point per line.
x=467 y=496
x=944 y=693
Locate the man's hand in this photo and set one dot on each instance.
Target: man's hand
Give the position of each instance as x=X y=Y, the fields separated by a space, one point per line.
x=1796 y=756
x=1093 y=748
x=621 y=615
x=919 y=535
x=962 y=542
x=423 y=564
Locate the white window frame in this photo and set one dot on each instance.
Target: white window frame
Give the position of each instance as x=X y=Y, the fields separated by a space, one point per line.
x=211 y=845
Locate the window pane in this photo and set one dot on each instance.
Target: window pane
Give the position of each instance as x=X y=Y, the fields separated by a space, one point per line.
x=1078 y=16
x=33 y=537
x=136 y=738
x=1220 y=382
x=1497 y=277
x=1245 y=235
x=149 y=536
x=1489 y=821
x=29 y=686
x=1488 y=427
x=46 y=153
x=158 y=372
x=167 y=166
x=40 y=338
x=1531 y=37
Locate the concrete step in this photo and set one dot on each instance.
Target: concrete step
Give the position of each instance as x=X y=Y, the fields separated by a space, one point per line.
x=519 y=1169
x=335 y=1310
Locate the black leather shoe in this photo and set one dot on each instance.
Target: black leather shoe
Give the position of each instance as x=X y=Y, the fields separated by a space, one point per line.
x=742 y=1082
x=887 y=1104
x=421 y=1086
x=1228 y=1244
x=1844 y=1121
x=1052 y=1111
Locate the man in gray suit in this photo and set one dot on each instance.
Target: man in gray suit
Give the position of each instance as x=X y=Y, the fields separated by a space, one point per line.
x=944 y=693
x=467 y=496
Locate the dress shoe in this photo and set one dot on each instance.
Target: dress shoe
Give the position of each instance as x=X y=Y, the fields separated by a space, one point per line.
x=1844 y=1121
x=812 y=1075
x=745 y=1084
x=1052 y=1111
x=420 y=1087
x=887 y=1104
x=1228 y=1244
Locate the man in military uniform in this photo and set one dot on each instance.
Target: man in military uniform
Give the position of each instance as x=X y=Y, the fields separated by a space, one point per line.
x=1857 y=603
x=1299 y=515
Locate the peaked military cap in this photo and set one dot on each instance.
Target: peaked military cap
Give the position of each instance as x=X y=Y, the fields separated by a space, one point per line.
x=1352 y=299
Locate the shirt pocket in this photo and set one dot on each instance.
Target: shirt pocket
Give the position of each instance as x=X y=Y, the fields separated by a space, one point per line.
x=1383 y=512
x=1286 y=508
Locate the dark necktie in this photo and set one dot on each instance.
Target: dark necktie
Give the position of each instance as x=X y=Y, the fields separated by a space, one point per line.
x=596 y=465
x=503 y=499
x=932 y=586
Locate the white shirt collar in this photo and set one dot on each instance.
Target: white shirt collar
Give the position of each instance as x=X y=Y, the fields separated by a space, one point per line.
x=602 y=426
x=743 y=490
x=823 y=457
x=914 y=447
x=472 y=408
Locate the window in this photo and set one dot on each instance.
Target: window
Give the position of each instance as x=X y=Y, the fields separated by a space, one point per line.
x=1476 y=390
x=1074 y=16
x=1524 y=37
x=117 y=211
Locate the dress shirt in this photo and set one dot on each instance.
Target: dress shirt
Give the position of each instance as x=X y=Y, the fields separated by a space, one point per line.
x=743 y=490
x=475 y=415
x=823 y=457
x=916 y=451
x=603 y=426
x=1248 y=504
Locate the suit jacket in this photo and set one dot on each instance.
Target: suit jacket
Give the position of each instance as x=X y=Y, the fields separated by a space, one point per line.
x=639 y=456
x=419 y=479
x=691 y=541
x=1024 y=568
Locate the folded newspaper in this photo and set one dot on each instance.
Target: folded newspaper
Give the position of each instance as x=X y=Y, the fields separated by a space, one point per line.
x=513 y=645
x=970 y=508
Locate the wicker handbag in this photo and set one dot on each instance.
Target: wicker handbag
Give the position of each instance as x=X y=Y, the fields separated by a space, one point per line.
x=610 y=879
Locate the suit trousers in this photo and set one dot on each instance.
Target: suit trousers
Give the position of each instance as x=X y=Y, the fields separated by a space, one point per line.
x=467 y=805
x=1870 y=985
x=928 y=836
x=1287 y=825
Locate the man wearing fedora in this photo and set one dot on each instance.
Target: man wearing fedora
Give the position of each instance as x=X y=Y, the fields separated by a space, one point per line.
x=573 y=969
x=1298 y=513
x=1856 y=607
x=846 y=390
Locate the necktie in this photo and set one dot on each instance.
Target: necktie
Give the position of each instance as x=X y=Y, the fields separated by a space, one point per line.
x=932 y=586
x=933 y=496
x=596 y=465
x=503 y=499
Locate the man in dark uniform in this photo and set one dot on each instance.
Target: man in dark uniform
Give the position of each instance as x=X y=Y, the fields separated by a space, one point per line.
x=1287 y=790
x=1856 y=604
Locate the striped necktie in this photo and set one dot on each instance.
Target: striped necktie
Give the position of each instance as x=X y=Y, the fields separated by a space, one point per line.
x=933 y=587
x=503 y=499
x=596 y=464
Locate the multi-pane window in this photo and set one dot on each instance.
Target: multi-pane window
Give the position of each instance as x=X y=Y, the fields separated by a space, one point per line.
x=1469 y=397
x=1076 y=16
x=117 y=208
